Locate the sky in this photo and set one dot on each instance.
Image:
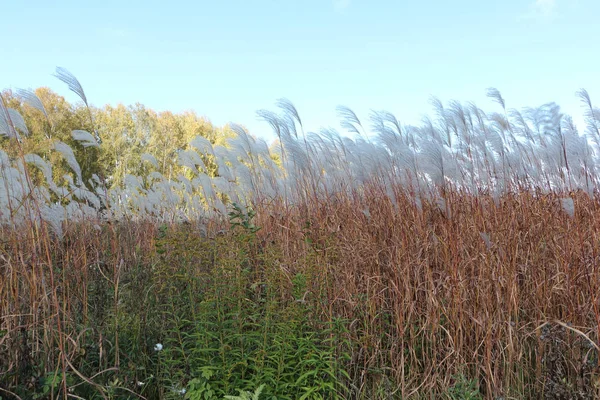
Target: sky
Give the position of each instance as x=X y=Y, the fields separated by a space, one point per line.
x=227 y=59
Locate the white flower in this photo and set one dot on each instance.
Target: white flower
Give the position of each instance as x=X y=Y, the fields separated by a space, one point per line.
x=140 y=383
x=180 y=392
x=158 y=347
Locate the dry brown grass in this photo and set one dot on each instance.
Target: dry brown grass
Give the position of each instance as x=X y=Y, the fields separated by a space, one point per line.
x=428 y=297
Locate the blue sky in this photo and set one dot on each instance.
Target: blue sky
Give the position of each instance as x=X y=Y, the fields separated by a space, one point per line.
x=227 y=59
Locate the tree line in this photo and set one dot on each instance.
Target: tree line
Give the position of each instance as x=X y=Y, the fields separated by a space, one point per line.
x=125 y=134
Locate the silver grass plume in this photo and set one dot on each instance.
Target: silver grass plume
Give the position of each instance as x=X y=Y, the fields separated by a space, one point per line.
x=149 y=158
x=592 y=114
x=289 y=108
x=29 y=97
x=72 y=83
x=349 y=120
x=65 y=76
x=11 y=122
x=69 y=156
x=84 y=138
x=202 y=144
x=568 y=206
x=42 y=164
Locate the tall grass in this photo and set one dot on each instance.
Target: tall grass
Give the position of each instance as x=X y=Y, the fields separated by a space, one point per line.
x=456 y=258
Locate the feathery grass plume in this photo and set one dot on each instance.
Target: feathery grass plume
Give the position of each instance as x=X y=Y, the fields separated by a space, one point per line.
x=224 y=170
x=403 y=158
x=219 y=207
x=521 y=126
x=54 y=215
x=592 y=114
x=6 y=181
x=443 y=122
x=289 y=108
x=568 y=206
x=549 y=118
x=132 y=182
x=349 y=120
x=191 y=159
x=10 y=122
x=204 y=183
x=62 y=192
x=79 y=212
x=391 y=118
x=221 y=184
x=334 y=139
x=223 y=155
x=7 y=127
x=12 y=192
x=4 y=126
x=72 y=83
x=501 y=124
x=155 y=175
x=149 y=158
x=246 y=166
x=273 y=119
x=69 y=156
x=41 y=194
x=297 y=158
x=84 y=138
x=245 y=179
x=494 y=94
x=486 y=149
x=390 y=137
x=261 y=149
x=187 y=184
x=463 y=125
x=87 y=196
x=29 y=97
x=437 y=162
x=243 y=143
x=42 y=164
x=290 y=125
x=202 y=144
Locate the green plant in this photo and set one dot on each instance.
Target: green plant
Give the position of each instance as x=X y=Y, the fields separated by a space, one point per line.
x=50 y=385
x=243 y=218
x=200 y=388
x=464 y=389
x=245 y=395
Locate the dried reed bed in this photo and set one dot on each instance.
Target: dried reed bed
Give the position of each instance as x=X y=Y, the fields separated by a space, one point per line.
x=481 y=292
x=44 y=287
x=505 y=290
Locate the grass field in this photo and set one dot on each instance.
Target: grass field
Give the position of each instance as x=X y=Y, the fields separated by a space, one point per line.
x=443 y=261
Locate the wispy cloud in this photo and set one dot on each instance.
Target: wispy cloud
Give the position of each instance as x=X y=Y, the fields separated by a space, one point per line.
x=541 y=10
x=340 y=5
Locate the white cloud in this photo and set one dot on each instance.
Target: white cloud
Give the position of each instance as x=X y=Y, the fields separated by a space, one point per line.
x=340 y=5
